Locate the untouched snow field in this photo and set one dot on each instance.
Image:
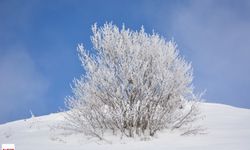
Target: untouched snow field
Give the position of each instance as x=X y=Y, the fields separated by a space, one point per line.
x=227 y=128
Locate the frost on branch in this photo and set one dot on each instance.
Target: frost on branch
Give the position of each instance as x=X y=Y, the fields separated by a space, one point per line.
x=135 y=84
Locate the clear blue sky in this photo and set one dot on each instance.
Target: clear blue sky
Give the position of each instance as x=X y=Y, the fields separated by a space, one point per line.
x=38 y=40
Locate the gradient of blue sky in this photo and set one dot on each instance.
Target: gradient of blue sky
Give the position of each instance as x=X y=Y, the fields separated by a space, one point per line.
x=38 y=40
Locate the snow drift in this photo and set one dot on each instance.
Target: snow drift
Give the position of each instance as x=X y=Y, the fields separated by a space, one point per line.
x=227 y=128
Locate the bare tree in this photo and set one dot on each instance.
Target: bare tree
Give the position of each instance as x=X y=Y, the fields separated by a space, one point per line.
x=134 y=84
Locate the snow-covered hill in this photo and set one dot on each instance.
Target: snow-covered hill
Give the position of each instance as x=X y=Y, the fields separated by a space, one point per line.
x=228 y=128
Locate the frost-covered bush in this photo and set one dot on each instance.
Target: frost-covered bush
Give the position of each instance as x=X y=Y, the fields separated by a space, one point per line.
x=134 y=84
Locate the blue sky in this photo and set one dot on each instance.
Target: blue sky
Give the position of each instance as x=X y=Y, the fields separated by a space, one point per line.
x=38 y=40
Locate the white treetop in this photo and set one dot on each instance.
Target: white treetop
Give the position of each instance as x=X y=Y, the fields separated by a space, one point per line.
x=134 y=83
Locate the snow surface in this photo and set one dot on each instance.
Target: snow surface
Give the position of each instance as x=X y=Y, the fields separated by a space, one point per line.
x=227 y=128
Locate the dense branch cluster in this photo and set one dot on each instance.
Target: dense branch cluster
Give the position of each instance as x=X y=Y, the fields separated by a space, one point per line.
x=134 y=84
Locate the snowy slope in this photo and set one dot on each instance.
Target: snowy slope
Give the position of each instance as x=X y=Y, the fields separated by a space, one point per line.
x=228 y=128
